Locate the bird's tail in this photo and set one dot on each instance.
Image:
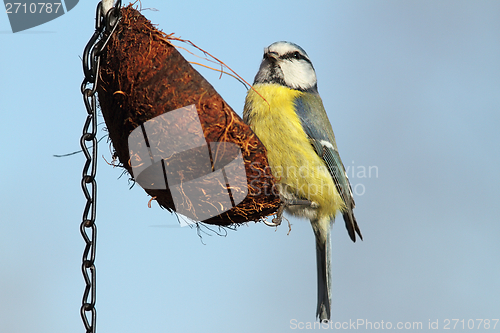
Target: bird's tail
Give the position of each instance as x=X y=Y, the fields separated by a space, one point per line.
x=322 y=229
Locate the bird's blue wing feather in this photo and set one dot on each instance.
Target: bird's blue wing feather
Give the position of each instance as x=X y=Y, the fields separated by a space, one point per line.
x=316 y=125
x=318 y=129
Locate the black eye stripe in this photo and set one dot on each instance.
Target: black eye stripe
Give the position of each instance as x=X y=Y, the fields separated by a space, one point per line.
x=295 y=55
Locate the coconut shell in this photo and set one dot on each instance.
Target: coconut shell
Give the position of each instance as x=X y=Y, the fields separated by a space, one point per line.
x=143 y=82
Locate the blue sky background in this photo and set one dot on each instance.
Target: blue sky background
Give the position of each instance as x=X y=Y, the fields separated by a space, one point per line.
x=412 y=88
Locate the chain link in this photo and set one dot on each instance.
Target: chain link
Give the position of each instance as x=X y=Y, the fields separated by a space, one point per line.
x=105 y=26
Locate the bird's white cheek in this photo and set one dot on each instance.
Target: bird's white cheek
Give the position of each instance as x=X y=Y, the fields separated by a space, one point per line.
x=298 y=76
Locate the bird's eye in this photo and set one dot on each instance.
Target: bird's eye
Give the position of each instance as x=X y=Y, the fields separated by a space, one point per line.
x=296 y=55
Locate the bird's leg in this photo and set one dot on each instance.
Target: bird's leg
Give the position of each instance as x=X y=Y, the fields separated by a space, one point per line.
x=284 y=204
x=279 y=215
x=291 y=202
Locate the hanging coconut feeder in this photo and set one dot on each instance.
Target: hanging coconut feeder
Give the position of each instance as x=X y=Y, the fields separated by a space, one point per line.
x=175 y=135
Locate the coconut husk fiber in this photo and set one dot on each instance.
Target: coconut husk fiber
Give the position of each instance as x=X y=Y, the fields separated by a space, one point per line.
x=142 y=77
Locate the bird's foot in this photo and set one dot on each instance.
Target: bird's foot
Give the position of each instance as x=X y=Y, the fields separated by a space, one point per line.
x=284 y=204
x=279 y=217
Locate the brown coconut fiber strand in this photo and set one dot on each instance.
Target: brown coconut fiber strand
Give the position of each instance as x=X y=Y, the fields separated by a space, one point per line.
x=143 y=76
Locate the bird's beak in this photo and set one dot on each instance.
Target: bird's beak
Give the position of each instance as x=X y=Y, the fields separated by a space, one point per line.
x=271 y=55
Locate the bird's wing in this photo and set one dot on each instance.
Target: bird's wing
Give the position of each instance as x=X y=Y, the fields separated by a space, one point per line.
x=319 y=131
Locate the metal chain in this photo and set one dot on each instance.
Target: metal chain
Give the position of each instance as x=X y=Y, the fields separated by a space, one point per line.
x=105 y=25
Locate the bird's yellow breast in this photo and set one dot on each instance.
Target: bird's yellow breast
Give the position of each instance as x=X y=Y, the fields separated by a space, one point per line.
x=300 y=172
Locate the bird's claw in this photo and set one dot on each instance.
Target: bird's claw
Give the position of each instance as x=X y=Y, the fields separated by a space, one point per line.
x=279 y=217
x=274 y=223
x=285 y=203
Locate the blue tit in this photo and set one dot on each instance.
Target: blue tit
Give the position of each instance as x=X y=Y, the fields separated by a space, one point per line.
x=285 y=111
